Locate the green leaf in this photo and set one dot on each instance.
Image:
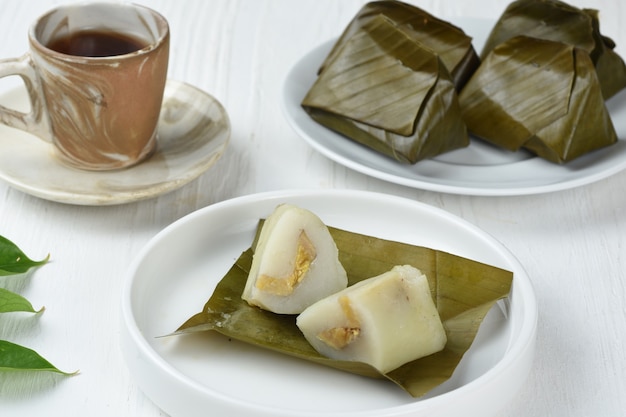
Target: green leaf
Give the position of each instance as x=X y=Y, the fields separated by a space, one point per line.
x=13 y=260
x=453 y=46
x=561 y=22
x=389 y=92
x=14 y=357
x=530 y=93
x=10 y=301
x=464 y=290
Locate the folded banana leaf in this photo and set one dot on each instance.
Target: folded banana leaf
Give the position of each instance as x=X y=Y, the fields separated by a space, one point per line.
x=389 y=93
x=464 y=291
x=449 y=42
x=558 y=21
x=540 y=95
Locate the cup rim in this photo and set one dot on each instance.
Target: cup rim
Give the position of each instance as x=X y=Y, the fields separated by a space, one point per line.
x=162 y=23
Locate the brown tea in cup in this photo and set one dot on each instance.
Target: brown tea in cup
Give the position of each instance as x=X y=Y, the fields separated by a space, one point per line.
x=95 y=74
x=95 y=43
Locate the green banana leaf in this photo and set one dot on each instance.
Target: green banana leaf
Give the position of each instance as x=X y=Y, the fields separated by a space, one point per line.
x=452 y=45
x=558 y=21
x=463 y=290
x=540 y=95
x=389 y=93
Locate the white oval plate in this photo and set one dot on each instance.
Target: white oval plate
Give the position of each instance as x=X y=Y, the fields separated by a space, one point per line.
x=479 y=169
x=193 y=133
x=176 y=273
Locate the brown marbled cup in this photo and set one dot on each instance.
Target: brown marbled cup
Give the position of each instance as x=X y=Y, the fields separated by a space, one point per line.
x=99 y=112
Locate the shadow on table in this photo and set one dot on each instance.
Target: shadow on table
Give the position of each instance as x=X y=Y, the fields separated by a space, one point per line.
x=26 y=385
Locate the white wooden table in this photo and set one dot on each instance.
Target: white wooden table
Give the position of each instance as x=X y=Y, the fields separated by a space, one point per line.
x=572 y=242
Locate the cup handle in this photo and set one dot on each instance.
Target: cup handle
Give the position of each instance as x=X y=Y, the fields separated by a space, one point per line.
x=36 y=121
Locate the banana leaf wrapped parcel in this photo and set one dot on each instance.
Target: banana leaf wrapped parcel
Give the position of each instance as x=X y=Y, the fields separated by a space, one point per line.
x=463 y=291
x=453 y=46
x=387 y=91
x=540 y=95
x=558 y=21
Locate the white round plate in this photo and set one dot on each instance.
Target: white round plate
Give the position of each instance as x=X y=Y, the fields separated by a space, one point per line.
x=193 y=133
x=192 y=375
x=480 y=169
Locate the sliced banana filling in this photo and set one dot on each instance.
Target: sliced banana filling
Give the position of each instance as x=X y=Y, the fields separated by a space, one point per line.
x=385 y=321
x=305 y=255
x=340 y=337
x=295 y=263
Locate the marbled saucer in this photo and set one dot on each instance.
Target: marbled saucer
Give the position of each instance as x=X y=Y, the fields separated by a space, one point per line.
x=193 y=133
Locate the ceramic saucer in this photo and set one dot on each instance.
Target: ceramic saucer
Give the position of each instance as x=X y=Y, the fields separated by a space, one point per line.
x=193 y=133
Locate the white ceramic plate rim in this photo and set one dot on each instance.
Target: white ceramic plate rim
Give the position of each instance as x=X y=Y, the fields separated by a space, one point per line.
x=143 y=359
x=477 y=170
x=117 y=186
